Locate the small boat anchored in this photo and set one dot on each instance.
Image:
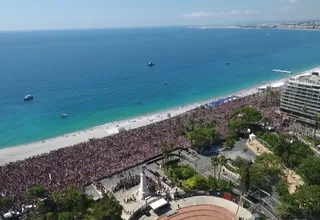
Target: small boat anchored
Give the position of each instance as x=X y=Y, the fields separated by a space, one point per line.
x=151 y=63
x=63 y=115
x=28 y=97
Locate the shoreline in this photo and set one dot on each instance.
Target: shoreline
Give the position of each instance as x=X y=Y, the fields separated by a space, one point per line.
x=20 y=152
x=251 y=28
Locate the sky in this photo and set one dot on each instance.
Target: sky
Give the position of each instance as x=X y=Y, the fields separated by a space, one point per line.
x=78 y=14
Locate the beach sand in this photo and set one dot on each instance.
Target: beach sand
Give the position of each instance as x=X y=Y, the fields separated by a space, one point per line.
x=21 y=152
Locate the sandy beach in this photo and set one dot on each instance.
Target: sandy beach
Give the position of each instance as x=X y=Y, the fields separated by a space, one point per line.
x=21 y=152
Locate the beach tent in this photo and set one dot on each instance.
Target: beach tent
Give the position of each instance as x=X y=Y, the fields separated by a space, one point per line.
x=112 y=131
x=121 y=129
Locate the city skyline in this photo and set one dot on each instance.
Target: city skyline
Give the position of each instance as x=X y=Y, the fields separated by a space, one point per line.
x=82 y=14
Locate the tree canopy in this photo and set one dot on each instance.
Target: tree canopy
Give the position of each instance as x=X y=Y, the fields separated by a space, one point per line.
x=290 y=150
x=308 y=198
x=270 y=138
x=107 y=209
x=242 y=118
x=72 y=204
x=265 y=168
x=196 y=182
x=310 y=170
x=203 y=137
x=248 y=114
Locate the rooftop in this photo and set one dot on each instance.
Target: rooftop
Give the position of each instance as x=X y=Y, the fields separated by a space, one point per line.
x=314 y=78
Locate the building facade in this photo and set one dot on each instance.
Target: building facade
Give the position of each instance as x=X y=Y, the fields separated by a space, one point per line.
x=301 y=98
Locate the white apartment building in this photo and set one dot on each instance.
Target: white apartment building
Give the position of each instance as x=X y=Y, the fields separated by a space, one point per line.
x=301 y=98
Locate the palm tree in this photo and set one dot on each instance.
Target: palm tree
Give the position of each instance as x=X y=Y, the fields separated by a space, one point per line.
x=268 y=91
x=201 y=121
x=222 y=161
x=245 y=182
x=305 y=111
x=166 y=150
x=191 y=124
x=229 y=143
x=215 y=163
x=317 y=119
x=277 y=96
x=265 y=120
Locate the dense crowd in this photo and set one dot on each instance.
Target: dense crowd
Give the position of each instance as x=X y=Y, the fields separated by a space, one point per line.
x=87 y=162
x=132 y=181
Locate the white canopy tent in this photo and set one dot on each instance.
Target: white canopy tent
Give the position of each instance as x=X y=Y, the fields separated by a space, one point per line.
x=252 y=137
x=158 y=204
x=112 y=131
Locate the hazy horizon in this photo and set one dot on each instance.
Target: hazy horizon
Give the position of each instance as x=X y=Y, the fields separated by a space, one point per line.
x=97 y=14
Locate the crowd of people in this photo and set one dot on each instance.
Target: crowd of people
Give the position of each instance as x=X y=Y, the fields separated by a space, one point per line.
x=132 y=181
x=91 y=161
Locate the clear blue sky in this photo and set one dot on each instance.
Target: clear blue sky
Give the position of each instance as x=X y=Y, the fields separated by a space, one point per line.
x=70 y=14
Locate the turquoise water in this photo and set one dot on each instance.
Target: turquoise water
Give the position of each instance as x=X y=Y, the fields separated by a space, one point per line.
x=98 y=76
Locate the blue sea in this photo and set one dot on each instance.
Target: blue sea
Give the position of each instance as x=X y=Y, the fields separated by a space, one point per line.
x=98 y=76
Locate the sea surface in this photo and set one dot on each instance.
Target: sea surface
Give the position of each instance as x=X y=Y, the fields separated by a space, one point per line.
x=98 y=76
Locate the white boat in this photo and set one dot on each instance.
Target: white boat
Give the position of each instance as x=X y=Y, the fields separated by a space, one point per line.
x=63 y=115
x=28 y=97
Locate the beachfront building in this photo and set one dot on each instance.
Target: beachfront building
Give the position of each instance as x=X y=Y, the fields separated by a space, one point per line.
x=301 y=98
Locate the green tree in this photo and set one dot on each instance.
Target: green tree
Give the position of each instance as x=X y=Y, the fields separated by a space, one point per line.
x=245 y=179
x=268 y=93
x=222 y=162
x=197 y=182
x=298 y=152
x=166 y=150
x=5 y=204
x=288 y=206
x=282 y=188
x=107 y=209
x=266 y=167
x=235 y=126
x=203 y=137
x=270 y=138
x=35 y=193
x=212 y=183
x=225 y=186
x=282 y=148
x=310 y=170
x=183 y=172
x=65 y=216
x=316 y=124
x=305 y=112
x=308 y=198
x=240 y=162
x=248 y=115
x=229 y=143
x=215 y=164
x=51 y=216
x=70 y=200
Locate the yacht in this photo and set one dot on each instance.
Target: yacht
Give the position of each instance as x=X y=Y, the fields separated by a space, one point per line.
x=28 y=97
x=63 y=115
x=151 y=63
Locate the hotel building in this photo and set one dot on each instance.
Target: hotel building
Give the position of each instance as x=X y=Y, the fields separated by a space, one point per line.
x=301 y=98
